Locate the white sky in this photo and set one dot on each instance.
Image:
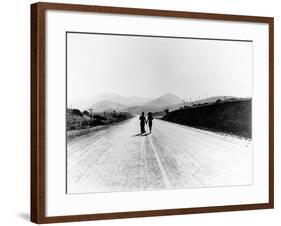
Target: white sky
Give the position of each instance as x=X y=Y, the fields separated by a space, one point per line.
x=152 y=66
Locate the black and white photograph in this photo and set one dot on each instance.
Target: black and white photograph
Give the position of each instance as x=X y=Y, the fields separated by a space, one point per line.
x=157 y=112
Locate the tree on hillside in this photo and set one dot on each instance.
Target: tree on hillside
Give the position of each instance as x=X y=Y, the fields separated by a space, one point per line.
x=166 y=111
x=77 y=112
x=86 y=113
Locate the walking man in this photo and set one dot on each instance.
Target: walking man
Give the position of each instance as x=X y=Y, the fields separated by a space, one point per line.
x=149 y=120
x=142 y=122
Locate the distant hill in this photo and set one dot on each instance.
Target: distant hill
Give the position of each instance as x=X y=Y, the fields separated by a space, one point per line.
x=229 y=116
x=213 y=99
x=136 y=100
x=144 y=108
x=110 y=97
x=158 y=104
x=107 y=105
x=202 y=101
x=155 y=105
x=129 y=101
x=165 y=100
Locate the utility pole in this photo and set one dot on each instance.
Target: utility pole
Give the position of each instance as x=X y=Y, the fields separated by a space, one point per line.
x=91 y=114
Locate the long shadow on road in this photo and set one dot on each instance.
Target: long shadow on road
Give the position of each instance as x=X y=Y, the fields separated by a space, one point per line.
x=141 y=134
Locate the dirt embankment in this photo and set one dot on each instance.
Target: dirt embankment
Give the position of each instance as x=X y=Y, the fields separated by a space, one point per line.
x=233 y=117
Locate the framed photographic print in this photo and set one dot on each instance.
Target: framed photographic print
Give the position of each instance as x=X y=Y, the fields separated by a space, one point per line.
x=143 y=112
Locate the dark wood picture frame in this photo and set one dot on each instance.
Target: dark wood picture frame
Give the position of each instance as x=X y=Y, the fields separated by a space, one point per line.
x=38 y=192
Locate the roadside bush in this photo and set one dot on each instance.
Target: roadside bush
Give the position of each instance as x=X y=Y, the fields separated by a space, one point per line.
x=72 y=128
x=86 y=113
x=99 y=117
x=97 y=123
x=84 y=123
x=77 y=112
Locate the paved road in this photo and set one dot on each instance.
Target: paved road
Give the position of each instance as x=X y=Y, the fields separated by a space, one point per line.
x=172 y=156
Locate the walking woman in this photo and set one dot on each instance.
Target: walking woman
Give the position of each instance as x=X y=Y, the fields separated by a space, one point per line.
x=149 y=119
x=142 y=122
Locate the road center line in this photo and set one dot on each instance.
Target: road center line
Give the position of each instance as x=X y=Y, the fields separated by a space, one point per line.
x=163 y=173
x=144 y=168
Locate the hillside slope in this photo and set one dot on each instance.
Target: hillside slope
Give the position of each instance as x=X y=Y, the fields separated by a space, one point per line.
x=107 y=105
x=165 y=100
x=233 y=117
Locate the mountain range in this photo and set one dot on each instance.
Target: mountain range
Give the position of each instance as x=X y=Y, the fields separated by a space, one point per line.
x=107 y=105
x=136 y=105
x=165 y=100
x=111 y=99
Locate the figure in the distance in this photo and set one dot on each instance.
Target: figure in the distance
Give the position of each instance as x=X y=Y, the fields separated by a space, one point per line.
x=149 y=120
x=142 y=122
